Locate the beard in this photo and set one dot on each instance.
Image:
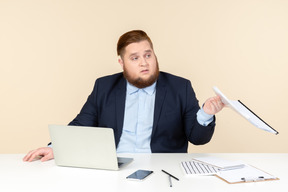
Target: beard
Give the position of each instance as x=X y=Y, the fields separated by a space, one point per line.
x=140 y=82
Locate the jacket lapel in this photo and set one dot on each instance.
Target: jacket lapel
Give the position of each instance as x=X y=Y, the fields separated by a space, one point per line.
x=159 y=100
x=120 y=107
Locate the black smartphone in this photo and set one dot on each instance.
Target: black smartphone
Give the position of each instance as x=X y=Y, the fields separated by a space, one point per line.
x=139 y=175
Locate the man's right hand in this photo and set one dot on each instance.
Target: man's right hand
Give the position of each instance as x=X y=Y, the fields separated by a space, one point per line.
x=45 y=154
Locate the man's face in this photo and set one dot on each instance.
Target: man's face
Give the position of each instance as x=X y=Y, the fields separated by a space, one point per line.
x=139 y=63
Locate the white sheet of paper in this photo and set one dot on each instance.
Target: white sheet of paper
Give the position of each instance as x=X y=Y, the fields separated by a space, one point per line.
x=244 y=112
x=218 y=162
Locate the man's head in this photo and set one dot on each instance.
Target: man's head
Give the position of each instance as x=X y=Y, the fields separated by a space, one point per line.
x=137 y=58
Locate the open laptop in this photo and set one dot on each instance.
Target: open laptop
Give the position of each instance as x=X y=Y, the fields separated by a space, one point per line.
x=87 y=147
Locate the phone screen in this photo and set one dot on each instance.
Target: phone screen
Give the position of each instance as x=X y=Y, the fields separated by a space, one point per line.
x=139 y=175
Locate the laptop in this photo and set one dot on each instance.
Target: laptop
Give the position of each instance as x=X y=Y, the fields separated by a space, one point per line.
x=85 y=147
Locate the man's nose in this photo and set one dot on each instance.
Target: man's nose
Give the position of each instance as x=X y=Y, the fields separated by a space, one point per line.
x=143 y=62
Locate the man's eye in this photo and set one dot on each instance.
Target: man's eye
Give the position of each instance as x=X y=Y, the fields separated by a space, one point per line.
x=134 y=58
x=148 y=56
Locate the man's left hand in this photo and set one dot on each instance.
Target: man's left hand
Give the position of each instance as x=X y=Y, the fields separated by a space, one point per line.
x=213 y=105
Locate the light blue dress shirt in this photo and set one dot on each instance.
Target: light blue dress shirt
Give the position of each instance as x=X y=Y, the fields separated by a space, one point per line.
x=138 y=119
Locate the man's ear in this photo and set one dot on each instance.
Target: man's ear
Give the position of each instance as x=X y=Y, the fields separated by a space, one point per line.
x=120 y=61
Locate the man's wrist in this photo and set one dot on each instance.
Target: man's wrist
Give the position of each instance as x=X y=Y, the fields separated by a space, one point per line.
x=204 y=118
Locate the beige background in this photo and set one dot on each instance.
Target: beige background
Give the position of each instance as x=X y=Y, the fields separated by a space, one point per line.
x=51 y=52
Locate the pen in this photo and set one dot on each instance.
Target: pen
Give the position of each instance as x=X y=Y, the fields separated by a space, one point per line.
x=170 y=180
x=170 y=175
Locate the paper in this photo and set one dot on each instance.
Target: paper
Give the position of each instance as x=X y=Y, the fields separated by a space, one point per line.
x=244 y=111
x=246 y=174
x=194 y=167
x=208 y=165
x=229 y=171
x=219 y=163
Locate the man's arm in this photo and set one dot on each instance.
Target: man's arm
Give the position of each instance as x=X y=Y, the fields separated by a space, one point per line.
x=88 y=114
x=87 y=117
x=200 y=132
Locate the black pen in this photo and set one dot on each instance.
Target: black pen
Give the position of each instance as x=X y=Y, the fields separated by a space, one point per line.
x=170 y=175
x=170 y=182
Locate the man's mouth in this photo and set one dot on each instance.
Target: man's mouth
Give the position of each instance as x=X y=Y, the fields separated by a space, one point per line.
x=145 y=71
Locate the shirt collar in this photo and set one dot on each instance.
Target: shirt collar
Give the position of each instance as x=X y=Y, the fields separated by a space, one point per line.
x=132 y=89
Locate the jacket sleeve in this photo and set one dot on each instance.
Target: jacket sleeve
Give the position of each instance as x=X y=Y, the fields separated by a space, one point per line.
x=195 y=132
x=88 y=115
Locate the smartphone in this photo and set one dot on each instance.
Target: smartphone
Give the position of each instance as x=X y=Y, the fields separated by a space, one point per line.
x=139 y=175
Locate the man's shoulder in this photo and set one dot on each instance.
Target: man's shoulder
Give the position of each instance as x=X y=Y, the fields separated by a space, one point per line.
x=110 y=81
x=111 y=77
x=171 y=77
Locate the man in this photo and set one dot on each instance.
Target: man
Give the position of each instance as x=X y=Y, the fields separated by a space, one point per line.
x=149 y=111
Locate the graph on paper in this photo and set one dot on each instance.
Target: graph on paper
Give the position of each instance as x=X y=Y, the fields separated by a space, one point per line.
x=198 y=168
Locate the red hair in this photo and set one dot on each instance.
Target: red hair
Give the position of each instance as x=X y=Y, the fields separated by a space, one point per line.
x=134 y=36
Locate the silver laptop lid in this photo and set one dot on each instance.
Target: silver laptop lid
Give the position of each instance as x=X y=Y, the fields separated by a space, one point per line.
x=88 y=147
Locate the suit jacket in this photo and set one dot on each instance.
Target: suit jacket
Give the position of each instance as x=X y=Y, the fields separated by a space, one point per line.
x=174 y=123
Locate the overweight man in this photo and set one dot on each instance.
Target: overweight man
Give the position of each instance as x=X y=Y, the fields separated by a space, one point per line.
x=150 y=111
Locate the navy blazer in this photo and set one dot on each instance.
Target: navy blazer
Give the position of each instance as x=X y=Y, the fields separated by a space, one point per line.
x=174 y=123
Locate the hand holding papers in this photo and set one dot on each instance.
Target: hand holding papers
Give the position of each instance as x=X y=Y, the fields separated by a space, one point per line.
x=244 y=111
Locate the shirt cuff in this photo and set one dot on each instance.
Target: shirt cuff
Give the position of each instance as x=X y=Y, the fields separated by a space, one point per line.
x=203 y=118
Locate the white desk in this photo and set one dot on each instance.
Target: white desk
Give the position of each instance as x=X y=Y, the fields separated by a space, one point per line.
x=16 y=175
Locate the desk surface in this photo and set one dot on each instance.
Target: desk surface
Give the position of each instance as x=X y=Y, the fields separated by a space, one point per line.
x=16 y=175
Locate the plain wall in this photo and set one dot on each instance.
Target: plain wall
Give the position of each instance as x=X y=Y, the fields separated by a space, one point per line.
x=51 y=52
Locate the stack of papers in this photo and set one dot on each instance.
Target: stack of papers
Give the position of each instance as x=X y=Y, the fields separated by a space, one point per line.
x=246 y=174
x=228 y=171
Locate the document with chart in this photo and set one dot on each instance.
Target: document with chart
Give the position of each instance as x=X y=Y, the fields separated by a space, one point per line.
x=245 y=112
x=195 y=167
